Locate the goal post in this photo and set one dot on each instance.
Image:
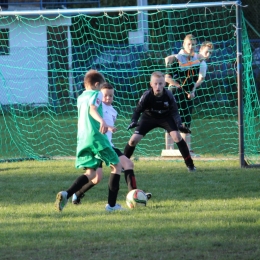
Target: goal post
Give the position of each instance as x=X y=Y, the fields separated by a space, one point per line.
x=44 y=55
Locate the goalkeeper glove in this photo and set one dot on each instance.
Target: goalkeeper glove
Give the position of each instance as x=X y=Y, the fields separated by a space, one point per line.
x=132 y=125
x=184 y=129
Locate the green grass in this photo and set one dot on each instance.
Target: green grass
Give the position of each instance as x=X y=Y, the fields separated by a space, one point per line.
x=211 y=214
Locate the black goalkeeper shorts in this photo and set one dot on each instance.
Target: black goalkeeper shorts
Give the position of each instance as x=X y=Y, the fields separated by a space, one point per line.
x=148 y=123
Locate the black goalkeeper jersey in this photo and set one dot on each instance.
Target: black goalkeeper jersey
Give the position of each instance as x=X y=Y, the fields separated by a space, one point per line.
x=157 y=107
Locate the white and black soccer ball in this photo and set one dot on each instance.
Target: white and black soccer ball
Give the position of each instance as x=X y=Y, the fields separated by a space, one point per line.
x=136 y=198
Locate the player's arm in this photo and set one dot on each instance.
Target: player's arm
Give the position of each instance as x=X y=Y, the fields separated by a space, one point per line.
x=94 y=113
x=201 y=78
x=95 y=102
x=141 y=106
x=168 y=76
x=169 y=60
x=172 y=82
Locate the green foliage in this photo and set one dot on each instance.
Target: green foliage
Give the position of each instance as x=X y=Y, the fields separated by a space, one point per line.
x=210 y=214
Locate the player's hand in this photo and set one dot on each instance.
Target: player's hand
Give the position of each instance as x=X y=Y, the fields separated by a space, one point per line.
x=184 y=129
x=169 y=60
x=112 y=129
x=132 y=125
x=173 y=86
x=191 y=95
x=178 y=85
x=103 y=127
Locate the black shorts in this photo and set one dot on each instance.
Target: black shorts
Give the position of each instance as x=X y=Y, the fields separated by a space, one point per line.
x=185 y=107
x=118 y=152
x=147 y=123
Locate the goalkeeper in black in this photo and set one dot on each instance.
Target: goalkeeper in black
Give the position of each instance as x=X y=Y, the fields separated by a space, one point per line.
x=158 y=108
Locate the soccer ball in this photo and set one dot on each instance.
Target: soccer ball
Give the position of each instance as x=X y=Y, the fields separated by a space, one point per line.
x=136 y=198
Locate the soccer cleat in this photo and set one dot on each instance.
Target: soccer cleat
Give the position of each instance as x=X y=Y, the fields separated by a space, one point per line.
x=148 y=195
x=191 y=168
x=116 y=207
x=61 y=200
x=76 y=200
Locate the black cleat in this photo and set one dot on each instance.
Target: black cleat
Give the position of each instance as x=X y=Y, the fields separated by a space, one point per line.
x=76 y=200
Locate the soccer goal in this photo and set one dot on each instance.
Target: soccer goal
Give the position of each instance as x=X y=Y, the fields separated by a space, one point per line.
x=45 y=54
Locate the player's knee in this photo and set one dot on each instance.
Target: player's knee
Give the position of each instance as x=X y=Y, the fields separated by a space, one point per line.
x=90 y=173
x=128 y=164
x=178 y=139
x=116 y=168
x=176 y=136
x=98 y=178
x=133 y=142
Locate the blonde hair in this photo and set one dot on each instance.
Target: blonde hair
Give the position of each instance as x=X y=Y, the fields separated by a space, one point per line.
x=207 y=44
x=157 y=74
x=189 y=37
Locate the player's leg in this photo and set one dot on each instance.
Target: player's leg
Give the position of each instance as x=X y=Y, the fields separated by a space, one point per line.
x=184 y=150
x=128 y=166
x=187 y=139
x=77 y=196
x=145 y=125
x=90 y=163
x=109 y=156
x=186 y=119
x=169 y=125
x=130 y=147
x=113 y=187
x=169 y=144
x=63 y=196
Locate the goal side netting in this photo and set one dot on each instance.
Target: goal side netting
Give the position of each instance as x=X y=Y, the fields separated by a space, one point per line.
x=44 y=57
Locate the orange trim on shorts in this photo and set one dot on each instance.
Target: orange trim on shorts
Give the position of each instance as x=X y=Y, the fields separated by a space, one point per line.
x=189 y=63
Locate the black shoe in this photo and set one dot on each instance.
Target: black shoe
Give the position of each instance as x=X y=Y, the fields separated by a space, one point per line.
x=191 y=168
x=76 y=200
x=148 y=195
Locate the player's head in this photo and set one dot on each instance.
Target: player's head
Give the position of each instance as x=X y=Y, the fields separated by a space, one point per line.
x=206 y=49
x=108 y=93
x=93 y=80
x=189 y=44
x=157 y=83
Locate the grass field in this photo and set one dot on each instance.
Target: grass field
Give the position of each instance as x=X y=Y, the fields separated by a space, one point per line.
x=213 y=213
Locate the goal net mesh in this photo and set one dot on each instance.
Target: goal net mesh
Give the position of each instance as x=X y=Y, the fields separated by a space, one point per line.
x=43 y=60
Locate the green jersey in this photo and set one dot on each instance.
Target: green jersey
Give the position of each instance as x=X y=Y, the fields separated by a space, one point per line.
x=91 y=144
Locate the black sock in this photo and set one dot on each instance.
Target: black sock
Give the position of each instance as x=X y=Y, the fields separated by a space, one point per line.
x=129 y=150
x=184 y=150
x=84 y=189
x=130 y=179
x=77 y=185
x=113 y=188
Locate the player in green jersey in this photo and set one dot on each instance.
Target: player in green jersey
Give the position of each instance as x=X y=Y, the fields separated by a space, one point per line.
x=93 y=145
